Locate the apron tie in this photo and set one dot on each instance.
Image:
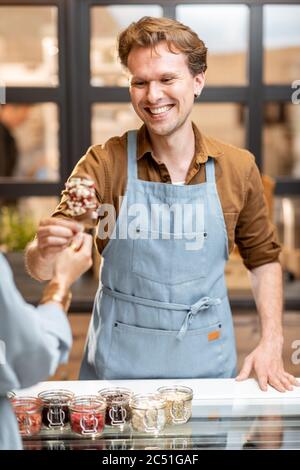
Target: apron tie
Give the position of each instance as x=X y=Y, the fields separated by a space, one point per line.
x=192 y=310
x=203 y=304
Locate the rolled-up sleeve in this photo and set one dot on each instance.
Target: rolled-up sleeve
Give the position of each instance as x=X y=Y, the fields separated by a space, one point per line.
x=255 y=234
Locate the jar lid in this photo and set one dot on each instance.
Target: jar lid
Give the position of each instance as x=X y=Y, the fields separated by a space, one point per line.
x=26 y=404
x=176 y=392
x=148 y=401
x=87 y=404
x=116 y=394
x=56 y=396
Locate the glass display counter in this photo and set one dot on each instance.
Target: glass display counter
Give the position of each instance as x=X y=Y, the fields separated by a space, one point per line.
x=225 y=415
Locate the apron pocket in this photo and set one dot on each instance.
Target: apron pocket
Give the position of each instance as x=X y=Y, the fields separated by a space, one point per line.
x=138 y=353
x=168 y=258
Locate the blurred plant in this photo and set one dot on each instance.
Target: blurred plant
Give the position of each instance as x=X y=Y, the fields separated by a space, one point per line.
x=16 y=229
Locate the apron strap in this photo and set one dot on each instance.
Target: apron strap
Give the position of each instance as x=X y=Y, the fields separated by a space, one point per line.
x=192 y=310
x=131 y=155
x=210 y=170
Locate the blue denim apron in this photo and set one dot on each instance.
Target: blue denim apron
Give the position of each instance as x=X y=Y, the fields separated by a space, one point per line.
x=162 y=310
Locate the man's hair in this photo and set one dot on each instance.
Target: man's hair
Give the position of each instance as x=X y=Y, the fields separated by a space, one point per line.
x=150 y=31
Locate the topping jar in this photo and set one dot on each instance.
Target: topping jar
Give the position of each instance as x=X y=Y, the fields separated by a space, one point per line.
x=87 y=415
x=148 y=413
x=179 y=403
x=118 y=411
x=55 y=412
x=28 y=411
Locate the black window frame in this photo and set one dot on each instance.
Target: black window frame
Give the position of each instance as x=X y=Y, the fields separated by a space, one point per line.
x=34 y=94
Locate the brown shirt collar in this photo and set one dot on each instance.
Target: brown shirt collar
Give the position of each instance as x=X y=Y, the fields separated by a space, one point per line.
x=204 y=147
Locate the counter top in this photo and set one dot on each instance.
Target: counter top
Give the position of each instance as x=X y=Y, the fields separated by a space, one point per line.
x=204 y=389
x=225 y=415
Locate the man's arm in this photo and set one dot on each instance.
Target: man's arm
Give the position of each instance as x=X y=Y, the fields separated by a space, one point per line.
x=266 y=282
x=266 y=359
x=53 y=236
x=259 y=247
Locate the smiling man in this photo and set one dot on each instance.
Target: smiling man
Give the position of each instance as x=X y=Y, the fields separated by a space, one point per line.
x=162 y=309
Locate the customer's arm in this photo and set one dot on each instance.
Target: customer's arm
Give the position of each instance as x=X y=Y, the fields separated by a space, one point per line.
x=35 y=340
x=32 y=339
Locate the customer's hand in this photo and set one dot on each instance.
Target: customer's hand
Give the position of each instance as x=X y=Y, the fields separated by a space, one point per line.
x=71 y=262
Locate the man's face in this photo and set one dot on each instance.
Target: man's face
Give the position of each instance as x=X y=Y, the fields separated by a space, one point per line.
x=162 y=88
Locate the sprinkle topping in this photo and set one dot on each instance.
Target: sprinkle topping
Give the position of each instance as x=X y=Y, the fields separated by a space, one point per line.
x=81 y=197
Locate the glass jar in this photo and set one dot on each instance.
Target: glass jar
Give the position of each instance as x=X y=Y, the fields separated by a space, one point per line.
x=118 y=411
x=56 y=407
x=87 y=415
x=179 y=403
x=28 y=411
x=148 y=413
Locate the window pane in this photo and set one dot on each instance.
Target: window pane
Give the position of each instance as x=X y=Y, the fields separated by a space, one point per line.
x=224 y=121
x=287 y=219
x=281 y=43
x=28 y=46
x=19 y=220
x=112 y=119
x=106 y=24
x=29 y=141
x=281 y=140
x=227 y=45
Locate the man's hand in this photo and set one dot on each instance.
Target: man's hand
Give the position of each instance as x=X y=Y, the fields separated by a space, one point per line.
x=55 y=234
x=266 y=362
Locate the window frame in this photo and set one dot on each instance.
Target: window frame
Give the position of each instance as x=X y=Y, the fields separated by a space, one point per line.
x=34 y=94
